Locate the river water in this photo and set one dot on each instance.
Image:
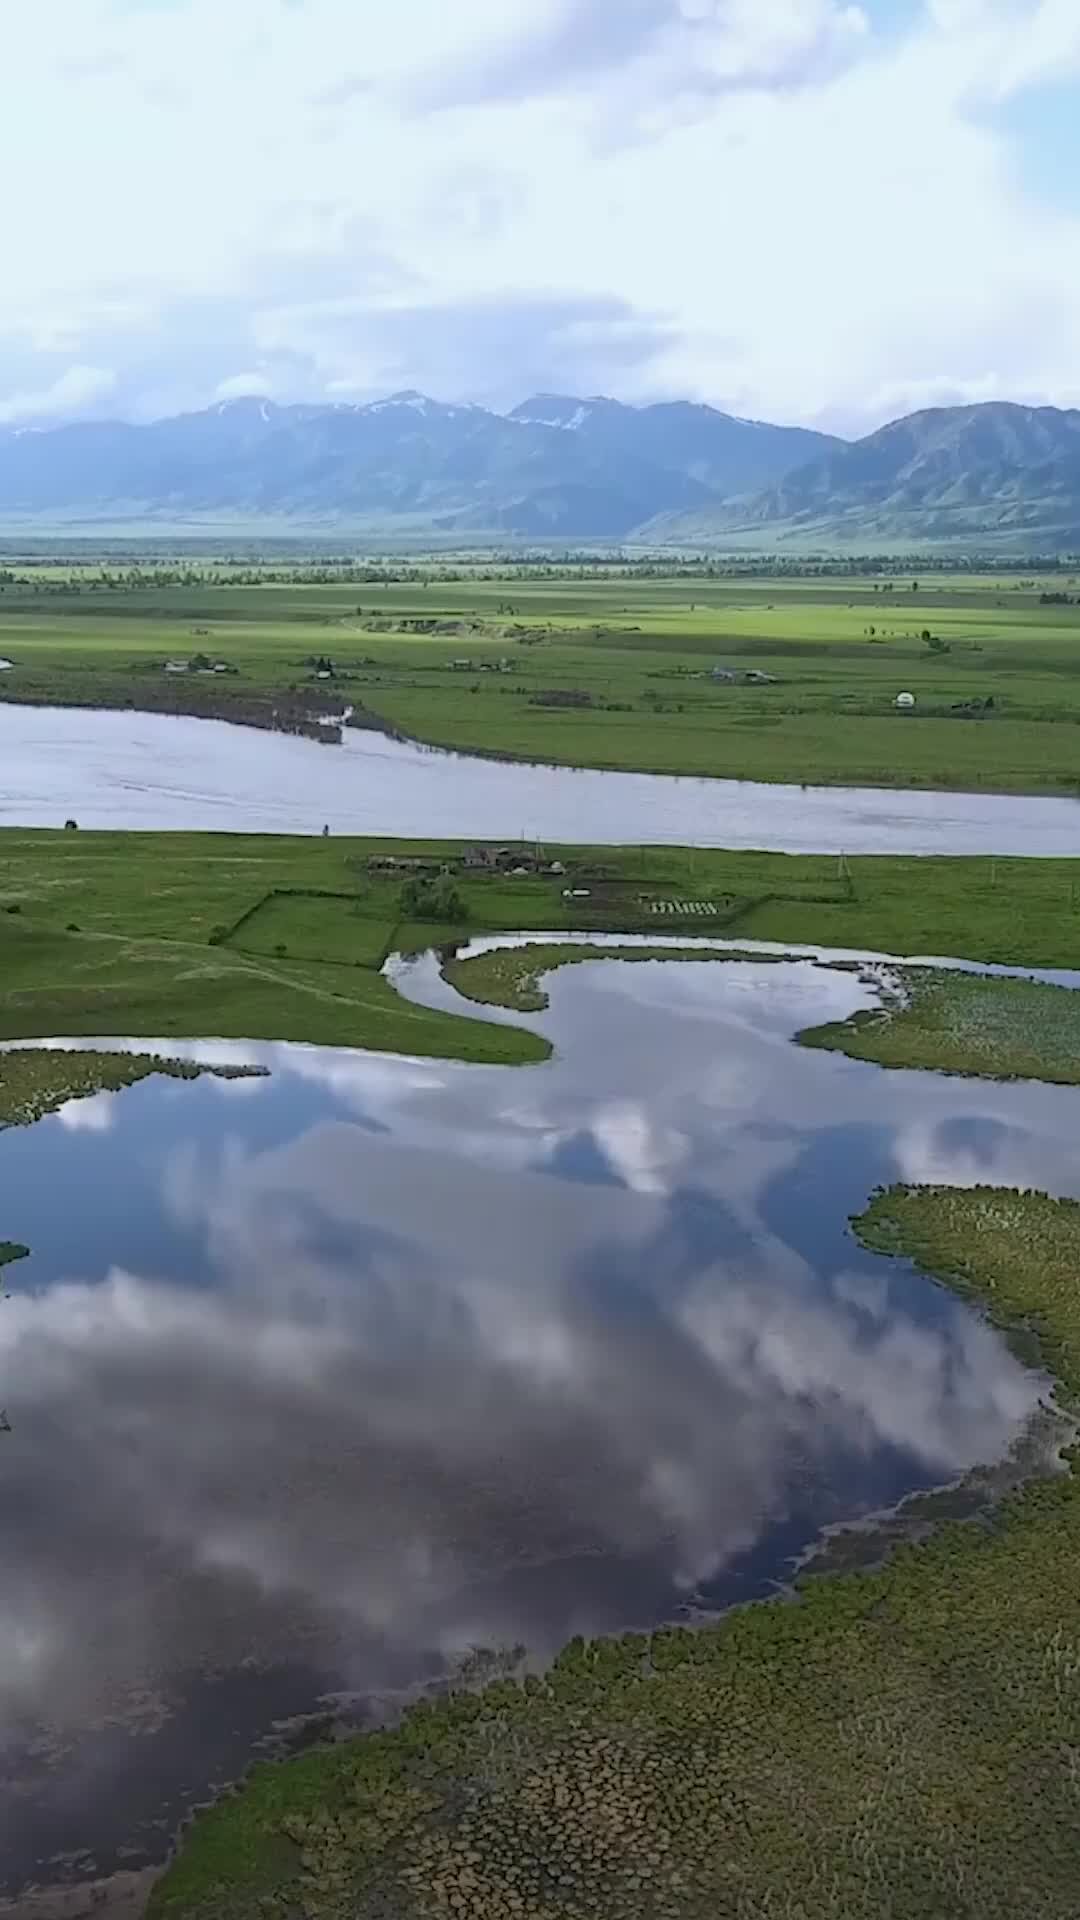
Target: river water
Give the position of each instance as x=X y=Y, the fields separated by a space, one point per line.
x=318 y=1381
x=135 y=770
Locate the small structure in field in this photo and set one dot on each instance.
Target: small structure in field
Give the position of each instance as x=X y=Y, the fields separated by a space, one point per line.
x=755 y=678
x=724 y=676
x=178 y=666
x=516 y=859
x=905 y=701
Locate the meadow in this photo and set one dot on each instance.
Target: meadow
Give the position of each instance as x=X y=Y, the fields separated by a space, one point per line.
x=613 y=669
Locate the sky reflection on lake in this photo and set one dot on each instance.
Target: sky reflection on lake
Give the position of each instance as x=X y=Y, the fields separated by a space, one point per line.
x=319 y=1380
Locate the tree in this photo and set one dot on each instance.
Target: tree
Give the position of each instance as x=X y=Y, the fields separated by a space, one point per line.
x=439 y=899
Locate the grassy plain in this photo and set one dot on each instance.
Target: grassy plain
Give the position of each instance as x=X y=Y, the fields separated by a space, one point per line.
x=966 y=1023
x=207 y=894
x=899 y=1742
x=635 y=653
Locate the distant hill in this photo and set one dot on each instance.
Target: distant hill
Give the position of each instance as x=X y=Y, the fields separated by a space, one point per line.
x=555 y=467
x=719 y=451
x=993 y=472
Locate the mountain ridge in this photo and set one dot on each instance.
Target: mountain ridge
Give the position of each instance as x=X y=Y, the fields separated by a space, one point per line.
x=561 y=466
x=406 y=458
x=996 y=468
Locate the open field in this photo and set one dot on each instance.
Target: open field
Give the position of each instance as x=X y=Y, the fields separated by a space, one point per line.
x=273 y=938
x=898 y=1741
x=606 y=671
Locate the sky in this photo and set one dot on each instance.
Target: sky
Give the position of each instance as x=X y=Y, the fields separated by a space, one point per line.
x=828 y=212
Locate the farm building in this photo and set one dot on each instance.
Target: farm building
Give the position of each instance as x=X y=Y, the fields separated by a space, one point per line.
x=516 y=859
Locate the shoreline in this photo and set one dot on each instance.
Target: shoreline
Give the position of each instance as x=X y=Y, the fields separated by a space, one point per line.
x=265 y=715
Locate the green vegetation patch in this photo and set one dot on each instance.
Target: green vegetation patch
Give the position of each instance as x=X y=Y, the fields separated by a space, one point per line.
x=55 y=983
x=319 y=927
x=1017 y=1252
x=12 y=1250
x=902 y=1742
x=966 y=1023
x=511 y=976
x=35 y=1081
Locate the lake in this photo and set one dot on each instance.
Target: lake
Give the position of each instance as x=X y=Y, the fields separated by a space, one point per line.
x=318 y=1381
x=138 y=770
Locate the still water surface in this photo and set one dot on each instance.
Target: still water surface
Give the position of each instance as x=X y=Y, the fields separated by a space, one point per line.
x=319 y=1380
x=138 y=770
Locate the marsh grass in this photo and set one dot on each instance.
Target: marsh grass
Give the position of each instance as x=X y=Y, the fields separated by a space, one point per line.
x=513 y=976
x=966 y=1023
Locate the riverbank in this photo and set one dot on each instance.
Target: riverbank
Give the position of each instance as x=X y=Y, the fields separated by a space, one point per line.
x=768 y=680
x=125 y=769
x=902 y=1736
x=312 y=714
x=965 y=1023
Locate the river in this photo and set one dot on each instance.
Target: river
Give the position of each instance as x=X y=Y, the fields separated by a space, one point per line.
x=136 y=770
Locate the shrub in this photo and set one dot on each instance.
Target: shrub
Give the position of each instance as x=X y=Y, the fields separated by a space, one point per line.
x=423 y=899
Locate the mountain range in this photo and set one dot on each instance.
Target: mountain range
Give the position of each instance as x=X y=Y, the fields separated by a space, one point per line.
x=560 y=467
x=996 y=471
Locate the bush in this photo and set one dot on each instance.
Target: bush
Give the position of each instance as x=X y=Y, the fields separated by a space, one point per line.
x=423 y=899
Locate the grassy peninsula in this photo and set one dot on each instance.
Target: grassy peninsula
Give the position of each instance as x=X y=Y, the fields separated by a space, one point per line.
x=512 y=976
x=902 y=1741
x=967 y=1023
x=35 y=1081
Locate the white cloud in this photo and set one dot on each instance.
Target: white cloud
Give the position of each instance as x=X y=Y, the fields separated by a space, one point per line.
x=763 y=203
x=95 y=1114
x=244 y=386
x=71 y=393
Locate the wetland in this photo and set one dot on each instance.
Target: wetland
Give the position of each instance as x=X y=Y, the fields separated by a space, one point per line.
x=621 y=1369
